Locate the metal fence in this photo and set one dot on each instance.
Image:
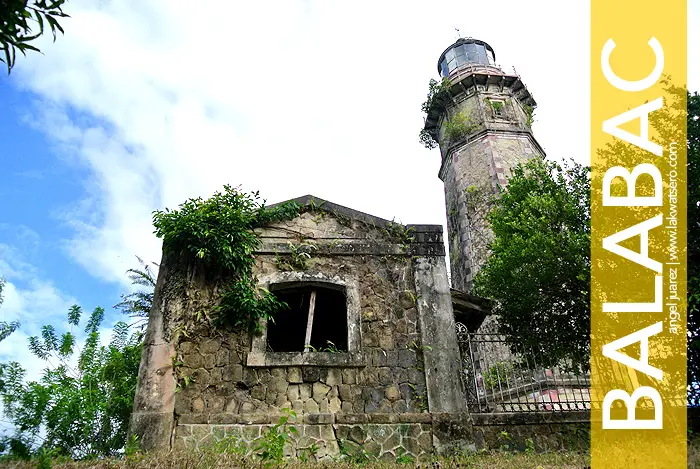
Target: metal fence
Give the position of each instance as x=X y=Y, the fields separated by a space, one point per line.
x=499 y=379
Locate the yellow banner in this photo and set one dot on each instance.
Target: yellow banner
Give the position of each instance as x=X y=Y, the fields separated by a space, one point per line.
x=638 y=242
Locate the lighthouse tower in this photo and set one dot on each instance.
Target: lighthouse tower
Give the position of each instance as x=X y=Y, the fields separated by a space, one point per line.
x=481 y=118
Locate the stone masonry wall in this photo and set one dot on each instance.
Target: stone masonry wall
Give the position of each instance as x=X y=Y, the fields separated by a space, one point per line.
x=419 y=436
x=389 y=377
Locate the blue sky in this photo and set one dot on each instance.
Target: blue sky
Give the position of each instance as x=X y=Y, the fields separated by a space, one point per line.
x=139 y=107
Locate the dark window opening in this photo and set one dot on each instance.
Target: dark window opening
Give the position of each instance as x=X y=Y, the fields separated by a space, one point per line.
x=316 y=321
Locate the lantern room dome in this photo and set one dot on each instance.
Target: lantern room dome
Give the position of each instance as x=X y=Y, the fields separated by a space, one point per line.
x=464 y=52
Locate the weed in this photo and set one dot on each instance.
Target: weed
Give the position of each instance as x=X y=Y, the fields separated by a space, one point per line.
x=497 y=375
x=354 y=455
x=231 y=445
x=505 y=440
x=330 y=348
x=299 y=255
x=421 y=398
x=270 y=446
x=529 y=446
x=459 y=126
x=308 y=454
x=402 y=457
x=133 y=445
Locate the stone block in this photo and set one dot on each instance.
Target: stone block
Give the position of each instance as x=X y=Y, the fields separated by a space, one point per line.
x=333 y=392
x=407 y=358
x=247 y=408
x=215 y=403
x=311 y=406
x=279 y=384
x=293 y=392
x=344 y=390
x=294 y=375
x=399 y=407
x=385 y=376
x=349 y=376
x=410 y=444
x=333 y=377
x=197 y=405
x=209 y=361
x=209 y=346
x=192 y=360
x=279 y=373
x=386 y=341
x=310 y=374
x=304 y=391
x=372 y=448
x=258 y=392
x=222 y=357
x=335 y=405
x=216 y=376
x=358 y=435
x=392 y=393
x=232 y=406
x=384 y=406
x=319 y=391
x=270 y=397
x=312 y=431
x=182 y=404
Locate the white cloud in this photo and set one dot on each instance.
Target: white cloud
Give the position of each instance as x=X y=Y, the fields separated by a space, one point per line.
x=163 y=100
x=33 y=302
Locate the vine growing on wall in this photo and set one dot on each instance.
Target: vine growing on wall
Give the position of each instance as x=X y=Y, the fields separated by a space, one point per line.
x=218 y=232
x=437 y=93
x=529 y=115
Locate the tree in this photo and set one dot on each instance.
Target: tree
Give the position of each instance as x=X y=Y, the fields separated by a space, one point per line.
x=6 y=328
x=83 y=402
x=17 y=28
x=81 y=407
x=535 y=281
x=539 y=270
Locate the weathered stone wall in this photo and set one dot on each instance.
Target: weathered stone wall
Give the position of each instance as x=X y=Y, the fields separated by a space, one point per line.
x=386 y=376
x=474 y=166
x=419 y=436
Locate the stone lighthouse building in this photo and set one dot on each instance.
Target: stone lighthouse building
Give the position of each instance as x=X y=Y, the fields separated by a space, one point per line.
x=482 y=123
x=367 y=355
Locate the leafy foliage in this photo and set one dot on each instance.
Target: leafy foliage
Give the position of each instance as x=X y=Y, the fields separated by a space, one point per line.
x=693 y=239
x=459 y=126
x=539 y=270
x=138 y=304
x=529 y=115
x=17 y=28
x=438 y=92
x=82 y=404
x=497 y=375
x=219 y=233
x=270 y=446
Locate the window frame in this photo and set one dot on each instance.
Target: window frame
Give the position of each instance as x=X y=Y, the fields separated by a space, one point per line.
x=259 y=356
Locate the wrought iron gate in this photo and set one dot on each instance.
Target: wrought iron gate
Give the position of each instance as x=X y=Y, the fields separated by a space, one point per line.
x=499 y=379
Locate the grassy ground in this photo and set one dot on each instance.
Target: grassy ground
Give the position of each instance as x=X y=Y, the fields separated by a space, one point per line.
x=217 y=460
